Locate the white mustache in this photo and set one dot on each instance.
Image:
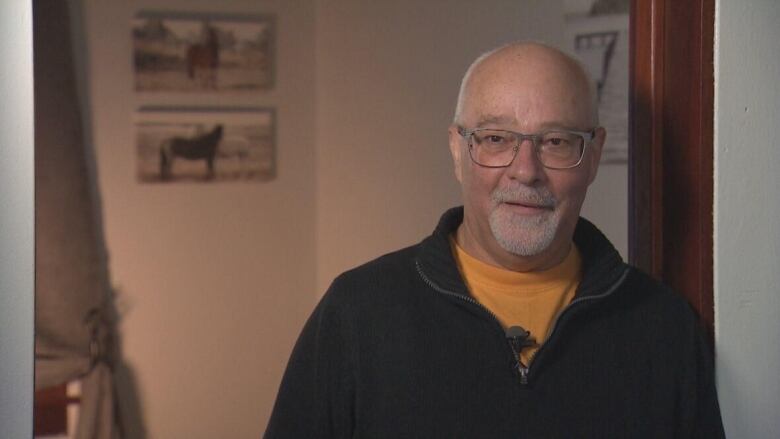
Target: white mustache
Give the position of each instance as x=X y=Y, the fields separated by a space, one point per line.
x=524 y=195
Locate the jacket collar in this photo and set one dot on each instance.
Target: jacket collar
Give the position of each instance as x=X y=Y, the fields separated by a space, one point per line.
x=602 y=264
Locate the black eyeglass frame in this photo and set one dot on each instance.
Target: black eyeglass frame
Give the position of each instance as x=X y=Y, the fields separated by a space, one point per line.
x=587 y=137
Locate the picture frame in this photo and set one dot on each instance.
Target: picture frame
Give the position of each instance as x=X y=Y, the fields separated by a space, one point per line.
x=189 y=52
x=598 y=35
x=205 y=144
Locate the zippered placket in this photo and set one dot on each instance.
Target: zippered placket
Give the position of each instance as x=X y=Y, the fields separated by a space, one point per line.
x=573 y=303
x=522 y=369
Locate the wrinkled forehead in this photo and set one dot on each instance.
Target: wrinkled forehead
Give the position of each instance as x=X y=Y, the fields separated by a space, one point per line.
x=528 y=92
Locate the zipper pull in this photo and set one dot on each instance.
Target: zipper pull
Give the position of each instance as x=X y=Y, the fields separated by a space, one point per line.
x=520 y=339
x=523 y=373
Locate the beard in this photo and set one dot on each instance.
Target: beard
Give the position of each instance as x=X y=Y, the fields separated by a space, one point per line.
x=524 y=235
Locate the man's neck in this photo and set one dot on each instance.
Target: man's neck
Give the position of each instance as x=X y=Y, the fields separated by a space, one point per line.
x=492 y=253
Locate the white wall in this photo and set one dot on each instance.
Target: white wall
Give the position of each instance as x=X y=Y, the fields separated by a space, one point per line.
x=747 y=214
x=214 y=280
x=16 y=219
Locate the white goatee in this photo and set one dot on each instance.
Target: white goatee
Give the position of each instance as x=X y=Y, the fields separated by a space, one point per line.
x=523 y=235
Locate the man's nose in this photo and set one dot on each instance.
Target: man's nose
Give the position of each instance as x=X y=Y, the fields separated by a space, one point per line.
x=526 y=167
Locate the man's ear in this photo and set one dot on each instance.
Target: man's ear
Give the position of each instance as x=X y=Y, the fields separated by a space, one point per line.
x=593 y=156
x=455 y=149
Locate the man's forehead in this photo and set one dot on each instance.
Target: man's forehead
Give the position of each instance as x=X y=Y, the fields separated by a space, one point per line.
x=503 y=98
x=494 y=119
x=526 y=108
x=510 y=122
x=528 y=81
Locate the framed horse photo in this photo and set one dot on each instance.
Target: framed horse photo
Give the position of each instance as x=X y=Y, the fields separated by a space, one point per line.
x=205 y=145
x=192 y=52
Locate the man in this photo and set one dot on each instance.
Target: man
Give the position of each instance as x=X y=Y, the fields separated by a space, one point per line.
x=516 y=318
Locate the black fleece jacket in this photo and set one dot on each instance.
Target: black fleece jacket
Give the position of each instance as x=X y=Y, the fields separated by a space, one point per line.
x=398 y=349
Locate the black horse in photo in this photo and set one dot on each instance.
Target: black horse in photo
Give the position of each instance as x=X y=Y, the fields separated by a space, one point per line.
x=202 y=147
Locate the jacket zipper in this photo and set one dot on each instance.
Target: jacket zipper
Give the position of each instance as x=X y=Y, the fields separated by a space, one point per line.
x=522 y=369
x=612 y=288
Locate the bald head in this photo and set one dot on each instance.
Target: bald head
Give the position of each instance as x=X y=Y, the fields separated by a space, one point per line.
x=533 y=66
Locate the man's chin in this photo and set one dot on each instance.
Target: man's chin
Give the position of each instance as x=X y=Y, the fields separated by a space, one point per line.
x=523 y=235
x=511 y=217
x=522 y=247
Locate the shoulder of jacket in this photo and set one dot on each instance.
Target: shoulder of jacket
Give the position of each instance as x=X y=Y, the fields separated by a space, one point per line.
x=388 y=265
x=658 y=298
x=375 y=276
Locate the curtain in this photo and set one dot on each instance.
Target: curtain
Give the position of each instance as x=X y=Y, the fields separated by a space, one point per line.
x=74 y=314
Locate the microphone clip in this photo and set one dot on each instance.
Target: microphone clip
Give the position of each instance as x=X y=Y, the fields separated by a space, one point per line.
x=519 y=338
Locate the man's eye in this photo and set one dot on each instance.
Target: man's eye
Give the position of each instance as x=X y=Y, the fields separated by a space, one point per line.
x=493 y=138
x=556 y=141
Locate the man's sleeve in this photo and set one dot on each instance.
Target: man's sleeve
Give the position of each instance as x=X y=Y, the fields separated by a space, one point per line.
x=315 y=398
x=699 y=411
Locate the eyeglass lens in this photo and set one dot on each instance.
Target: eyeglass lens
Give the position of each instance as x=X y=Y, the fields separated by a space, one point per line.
x=497 y=148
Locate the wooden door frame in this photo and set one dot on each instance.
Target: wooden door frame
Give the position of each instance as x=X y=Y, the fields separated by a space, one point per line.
x=671 y=146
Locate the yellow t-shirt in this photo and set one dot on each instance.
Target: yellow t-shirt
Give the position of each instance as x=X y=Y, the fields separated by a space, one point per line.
x=531 y=300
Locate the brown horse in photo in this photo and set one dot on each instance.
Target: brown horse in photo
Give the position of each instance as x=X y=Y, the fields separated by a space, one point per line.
x=203 y=147
x=203 y=59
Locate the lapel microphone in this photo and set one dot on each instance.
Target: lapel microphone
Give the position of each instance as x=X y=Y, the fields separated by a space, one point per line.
x=519 y=338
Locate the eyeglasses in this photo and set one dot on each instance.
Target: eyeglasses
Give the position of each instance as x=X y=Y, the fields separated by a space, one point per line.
x=555 y=149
